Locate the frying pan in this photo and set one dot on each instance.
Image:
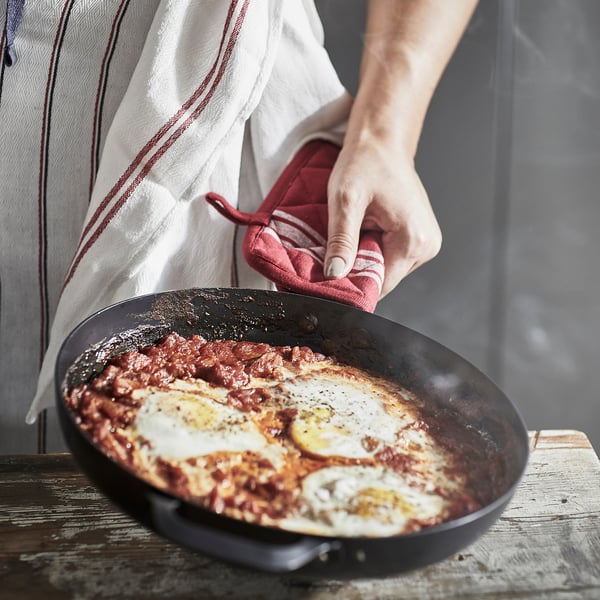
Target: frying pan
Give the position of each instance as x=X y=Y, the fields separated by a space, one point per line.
x=443 y=379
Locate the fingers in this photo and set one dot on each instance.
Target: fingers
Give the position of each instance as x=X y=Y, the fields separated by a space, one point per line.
x=388 y=197
x=411 y=237
x=346 y=215
x=403 y=252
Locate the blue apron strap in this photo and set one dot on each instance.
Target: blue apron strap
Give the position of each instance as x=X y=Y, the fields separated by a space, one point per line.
x=14 y=14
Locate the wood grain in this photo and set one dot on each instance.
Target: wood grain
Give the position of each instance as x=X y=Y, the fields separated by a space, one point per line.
x=59 y=539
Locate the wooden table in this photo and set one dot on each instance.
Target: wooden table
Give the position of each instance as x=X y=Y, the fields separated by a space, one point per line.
x=59 y=538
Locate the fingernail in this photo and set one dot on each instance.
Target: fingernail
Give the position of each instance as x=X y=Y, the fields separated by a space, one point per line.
x=336 y=267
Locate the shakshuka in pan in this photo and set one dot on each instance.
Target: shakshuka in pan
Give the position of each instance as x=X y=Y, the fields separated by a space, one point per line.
x=283 y=436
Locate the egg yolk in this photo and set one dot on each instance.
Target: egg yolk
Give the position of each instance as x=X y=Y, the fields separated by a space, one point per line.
x=314 y=433
x=380 y=503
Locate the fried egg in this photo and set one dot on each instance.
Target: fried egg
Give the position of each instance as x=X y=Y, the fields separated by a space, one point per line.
x=362 y=501
x=177 y=425
x=340 y=416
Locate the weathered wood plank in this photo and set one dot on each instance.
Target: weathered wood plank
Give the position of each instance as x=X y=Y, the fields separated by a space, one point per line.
x=59 y=539
x=562 y=438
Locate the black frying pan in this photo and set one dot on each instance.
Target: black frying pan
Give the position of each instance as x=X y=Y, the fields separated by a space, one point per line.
x=444 y=379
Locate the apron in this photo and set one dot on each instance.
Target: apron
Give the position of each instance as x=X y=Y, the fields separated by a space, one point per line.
x=66 y=67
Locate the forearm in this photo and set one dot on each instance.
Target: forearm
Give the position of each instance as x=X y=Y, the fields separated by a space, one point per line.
x=408 y=44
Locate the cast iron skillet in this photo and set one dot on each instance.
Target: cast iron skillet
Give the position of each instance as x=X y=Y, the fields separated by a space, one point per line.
x=446 y=380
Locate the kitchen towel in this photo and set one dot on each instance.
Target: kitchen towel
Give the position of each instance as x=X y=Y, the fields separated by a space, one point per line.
x=222 y=97
x=287 y=236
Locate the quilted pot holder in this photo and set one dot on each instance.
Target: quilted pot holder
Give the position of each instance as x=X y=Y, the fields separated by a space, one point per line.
x=286 y=238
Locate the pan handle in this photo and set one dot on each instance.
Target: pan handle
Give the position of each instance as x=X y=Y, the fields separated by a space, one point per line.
x=276 y=558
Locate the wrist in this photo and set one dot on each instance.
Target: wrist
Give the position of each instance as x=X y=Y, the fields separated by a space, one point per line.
x=389 y=127
x=378 y=143
x=391 y=103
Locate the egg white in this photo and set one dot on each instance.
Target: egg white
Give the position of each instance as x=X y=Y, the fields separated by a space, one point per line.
x=361 y=501
x=340 y=416
x=177 y=425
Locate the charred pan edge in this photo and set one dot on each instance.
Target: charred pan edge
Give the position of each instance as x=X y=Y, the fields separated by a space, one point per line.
x=93 y=360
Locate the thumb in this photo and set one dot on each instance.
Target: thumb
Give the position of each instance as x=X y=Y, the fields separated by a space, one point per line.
x=343 y=234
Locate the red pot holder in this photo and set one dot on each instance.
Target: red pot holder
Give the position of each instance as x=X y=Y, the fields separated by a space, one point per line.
x=286 y=238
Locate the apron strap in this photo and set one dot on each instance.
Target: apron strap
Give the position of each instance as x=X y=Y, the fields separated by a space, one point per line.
x=14 y=14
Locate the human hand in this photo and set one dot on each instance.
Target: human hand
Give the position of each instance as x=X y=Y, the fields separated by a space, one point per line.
x=374 y=188
x=374 y=184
